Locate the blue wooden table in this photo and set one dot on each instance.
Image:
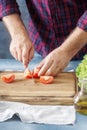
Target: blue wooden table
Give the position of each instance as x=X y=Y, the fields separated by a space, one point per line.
x=16 y=124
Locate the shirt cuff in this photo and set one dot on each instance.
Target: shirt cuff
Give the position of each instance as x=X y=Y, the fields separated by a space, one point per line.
x=82 y=22
x=8 y=7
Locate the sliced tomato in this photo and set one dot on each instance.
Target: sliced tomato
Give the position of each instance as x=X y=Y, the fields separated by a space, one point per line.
x=27 y=74
x=8 y=78
x=35 y=72
x=46 y=79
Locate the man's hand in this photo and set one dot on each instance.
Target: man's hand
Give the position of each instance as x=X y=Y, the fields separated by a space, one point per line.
x=22 y=49
x=54 y=63
x=21 y=46
x=58 y=59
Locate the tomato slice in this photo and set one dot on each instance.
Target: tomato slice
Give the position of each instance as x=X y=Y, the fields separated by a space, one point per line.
x=27 y=73
x=8 y=78
x=46 y=79
x=35 y=72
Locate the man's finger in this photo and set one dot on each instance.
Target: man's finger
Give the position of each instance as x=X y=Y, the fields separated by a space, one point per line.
x=41 y=64
x=25 y=58
x=14 y=54
x=19 y=51
x=52 y=70
x=31 y=54
x=45 y=67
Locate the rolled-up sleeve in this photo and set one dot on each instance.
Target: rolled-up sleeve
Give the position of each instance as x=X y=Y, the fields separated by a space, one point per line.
x=8 y=7
x=82 y=22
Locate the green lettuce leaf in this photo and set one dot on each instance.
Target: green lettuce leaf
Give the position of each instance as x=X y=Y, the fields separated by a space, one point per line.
x=81 y=71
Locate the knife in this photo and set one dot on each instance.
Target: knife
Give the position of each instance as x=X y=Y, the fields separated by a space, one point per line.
x=33 y=80
x=31 y=73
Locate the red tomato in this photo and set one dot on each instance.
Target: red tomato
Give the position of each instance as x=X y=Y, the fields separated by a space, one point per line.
x=46 y=79
x=8 y=78
x=35 y=72
x=27 y=74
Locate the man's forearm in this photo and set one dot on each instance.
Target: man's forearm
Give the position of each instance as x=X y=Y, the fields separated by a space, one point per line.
x=76 y=40
x=14 y=25
x=21 y=46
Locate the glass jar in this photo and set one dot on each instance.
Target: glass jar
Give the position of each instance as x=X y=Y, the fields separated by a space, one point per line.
x=81 y=99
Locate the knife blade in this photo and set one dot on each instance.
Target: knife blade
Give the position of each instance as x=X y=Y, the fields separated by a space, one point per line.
x=33 y=80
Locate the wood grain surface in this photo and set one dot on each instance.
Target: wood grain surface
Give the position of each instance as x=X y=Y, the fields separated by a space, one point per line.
x=61 y=91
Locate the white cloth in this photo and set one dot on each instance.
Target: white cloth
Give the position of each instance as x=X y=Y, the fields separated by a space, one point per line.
x=61 y=115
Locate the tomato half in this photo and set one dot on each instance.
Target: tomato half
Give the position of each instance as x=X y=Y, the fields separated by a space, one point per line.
x=35 y=72
x=8 y=78
x=27 y=74
x=46 y=79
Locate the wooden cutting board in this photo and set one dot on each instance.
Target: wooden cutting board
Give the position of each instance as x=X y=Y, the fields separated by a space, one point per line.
x=61 y=91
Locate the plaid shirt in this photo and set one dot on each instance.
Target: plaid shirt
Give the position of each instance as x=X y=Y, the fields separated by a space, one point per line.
x=51 y=21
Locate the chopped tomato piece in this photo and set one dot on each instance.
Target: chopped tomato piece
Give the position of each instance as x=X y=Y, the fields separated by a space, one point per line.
x=35 y=72
x=27 y=74
x=8 y=78
x=46 y=79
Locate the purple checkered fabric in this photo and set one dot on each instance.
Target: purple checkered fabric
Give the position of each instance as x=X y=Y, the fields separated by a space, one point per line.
x=51 y=21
